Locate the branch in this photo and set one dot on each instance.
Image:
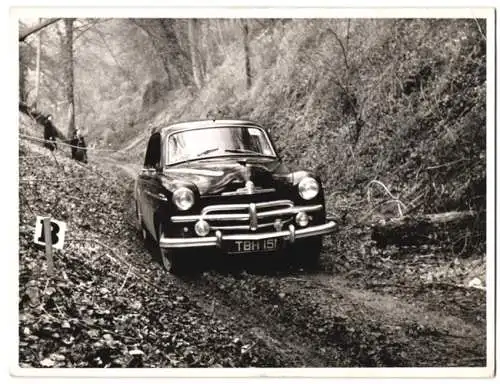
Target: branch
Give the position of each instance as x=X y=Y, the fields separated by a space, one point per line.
x=480 y=30
x=36 y=28
x=394 y=199
x=344 y=53
x=85 y=27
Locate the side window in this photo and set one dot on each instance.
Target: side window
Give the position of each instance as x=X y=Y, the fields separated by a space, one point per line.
x=153 y=152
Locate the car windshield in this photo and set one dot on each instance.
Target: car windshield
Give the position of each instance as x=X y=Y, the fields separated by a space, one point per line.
x=218 y=141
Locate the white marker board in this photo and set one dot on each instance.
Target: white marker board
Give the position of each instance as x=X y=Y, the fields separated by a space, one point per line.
x=57 y=229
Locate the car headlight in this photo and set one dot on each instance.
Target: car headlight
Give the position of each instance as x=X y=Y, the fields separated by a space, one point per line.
x=183 y=198
x=308 y=188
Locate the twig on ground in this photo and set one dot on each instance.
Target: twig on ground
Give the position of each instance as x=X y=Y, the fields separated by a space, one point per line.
x=394 y=198
x=125 y=280
x=446 y=164
x=353 y=272
x=249 y=348
x=451 y=285
x=55 y=159
x=60 y=312
x=134 y=272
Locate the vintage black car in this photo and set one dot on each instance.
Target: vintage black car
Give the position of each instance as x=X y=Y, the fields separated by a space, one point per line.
x=220 y=184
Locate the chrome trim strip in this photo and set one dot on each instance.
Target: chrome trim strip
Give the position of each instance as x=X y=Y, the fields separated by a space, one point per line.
x=213 y=241
x=243 y=191
x=252 y=209
x=245 y=216
x=218 y=238
x=193 y=171
x=232 y=207
x=221 y=216
x=245 y=227
x=267 y=204
x=291 y=229
x=292 y=210
x=160 y=196
x=223 y=207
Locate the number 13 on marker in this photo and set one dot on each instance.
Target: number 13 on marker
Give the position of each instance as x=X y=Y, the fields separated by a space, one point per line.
x=57 y=231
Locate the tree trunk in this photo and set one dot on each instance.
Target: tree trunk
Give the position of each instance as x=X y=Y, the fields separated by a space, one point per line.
x=204 y=52
x=179 y=60
x=175 y=61
x=193 y=49
x=37 y=76
x=247 y=55
x=69 y=78
x=423 y=229
x=23 y=70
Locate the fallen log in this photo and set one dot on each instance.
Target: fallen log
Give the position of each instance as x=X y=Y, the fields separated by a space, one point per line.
x=423 y=229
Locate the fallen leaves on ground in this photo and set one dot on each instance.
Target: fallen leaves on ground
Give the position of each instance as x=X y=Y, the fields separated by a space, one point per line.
x=108 y=304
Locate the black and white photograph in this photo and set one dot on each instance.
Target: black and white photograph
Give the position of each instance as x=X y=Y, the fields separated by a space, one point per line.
x=278 y=190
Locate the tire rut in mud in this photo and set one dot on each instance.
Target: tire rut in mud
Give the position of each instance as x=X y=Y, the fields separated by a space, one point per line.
x=348 y=327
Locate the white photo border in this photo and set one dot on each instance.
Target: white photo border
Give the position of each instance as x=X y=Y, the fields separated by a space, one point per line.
x=259 y=12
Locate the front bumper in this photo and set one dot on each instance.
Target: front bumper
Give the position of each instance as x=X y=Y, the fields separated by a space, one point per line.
x=215 y=241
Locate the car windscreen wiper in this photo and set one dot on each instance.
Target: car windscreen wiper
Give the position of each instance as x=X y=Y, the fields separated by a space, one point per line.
x=243 y=151
x=207 y=151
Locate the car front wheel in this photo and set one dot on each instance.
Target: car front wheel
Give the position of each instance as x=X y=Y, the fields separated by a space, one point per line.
x=174 y=262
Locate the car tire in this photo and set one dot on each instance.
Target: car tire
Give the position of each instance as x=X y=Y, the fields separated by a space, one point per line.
x=142 y=232
x=173 y=262
x=138 y=220
x=307 y=252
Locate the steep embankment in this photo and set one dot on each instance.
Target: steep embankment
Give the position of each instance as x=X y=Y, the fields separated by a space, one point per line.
x=111 y=305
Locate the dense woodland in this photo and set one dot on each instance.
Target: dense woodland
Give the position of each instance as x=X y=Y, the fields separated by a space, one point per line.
x=391 y=114
x=400 y=101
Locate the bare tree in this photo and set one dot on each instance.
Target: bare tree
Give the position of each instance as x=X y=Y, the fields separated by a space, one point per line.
x=247 y=55
x=193 y=48
x=23 y=70
x=69 y=75
x=176 y=62
x=38 y=54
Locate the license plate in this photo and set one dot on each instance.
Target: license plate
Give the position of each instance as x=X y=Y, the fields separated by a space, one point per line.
x=252 y=246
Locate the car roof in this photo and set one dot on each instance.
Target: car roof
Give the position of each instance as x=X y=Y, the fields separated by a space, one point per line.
x=200 y=124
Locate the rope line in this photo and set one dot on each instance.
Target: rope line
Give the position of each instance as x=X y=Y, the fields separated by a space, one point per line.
x=27 y=137
x=35 y=180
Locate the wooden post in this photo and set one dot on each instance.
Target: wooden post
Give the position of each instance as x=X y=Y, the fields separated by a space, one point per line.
x=48 y=245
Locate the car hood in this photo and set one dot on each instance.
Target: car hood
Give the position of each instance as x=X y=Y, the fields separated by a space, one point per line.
x=213 y=176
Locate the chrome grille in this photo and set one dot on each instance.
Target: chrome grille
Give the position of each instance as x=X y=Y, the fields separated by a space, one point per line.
x=245 y=217
x=253 y=217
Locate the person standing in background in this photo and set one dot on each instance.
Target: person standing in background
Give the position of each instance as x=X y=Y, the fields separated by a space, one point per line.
x=49 y=133
x=79 y=147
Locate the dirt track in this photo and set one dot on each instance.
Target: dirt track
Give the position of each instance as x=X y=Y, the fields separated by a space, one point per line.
x=328 y=320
